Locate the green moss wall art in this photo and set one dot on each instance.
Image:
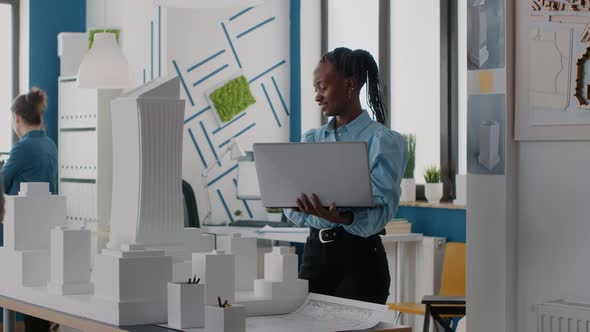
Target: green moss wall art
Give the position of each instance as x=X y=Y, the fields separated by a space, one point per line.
x=232 y=98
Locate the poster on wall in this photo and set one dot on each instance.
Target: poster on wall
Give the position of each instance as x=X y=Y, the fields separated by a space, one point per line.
x=552 y=70
x=486 y=130
x=485 y=42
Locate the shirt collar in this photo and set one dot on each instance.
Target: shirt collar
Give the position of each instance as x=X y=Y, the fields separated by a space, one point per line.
x=34 y=133
x=355 y=125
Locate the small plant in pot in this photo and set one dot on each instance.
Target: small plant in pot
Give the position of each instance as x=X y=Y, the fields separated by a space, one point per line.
x=274 y=214
x=408 y=184
x=433 y=190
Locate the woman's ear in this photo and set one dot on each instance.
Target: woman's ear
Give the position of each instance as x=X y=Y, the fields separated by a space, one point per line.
x=350 y=87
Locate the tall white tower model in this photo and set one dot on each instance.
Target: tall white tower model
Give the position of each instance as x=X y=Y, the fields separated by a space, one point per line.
x=147 y=166
x=146 y=211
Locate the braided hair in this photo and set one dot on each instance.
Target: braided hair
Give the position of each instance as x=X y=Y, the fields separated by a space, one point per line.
x=361 y=66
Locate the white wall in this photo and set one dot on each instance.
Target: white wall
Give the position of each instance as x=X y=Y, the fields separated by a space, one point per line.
x=553 y=225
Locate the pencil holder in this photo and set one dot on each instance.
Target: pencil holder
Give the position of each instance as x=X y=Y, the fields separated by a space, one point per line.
x=186 y=305
x=230 y=319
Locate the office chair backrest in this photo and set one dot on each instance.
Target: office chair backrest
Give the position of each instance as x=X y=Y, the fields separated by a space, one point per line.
x=454 y=274
x=191 y=217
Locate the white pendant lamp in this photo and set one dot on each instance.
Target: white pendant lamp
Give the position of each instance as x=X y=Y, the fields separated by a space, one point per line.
x=104 y=66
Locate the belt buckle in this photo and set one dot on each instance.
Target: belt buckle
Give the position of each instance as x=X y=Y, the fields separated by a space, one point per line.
x=322 y=235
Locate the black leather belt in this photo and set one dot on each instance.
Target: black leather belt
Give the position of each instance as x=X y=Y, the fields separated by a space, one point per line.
x=327 y=235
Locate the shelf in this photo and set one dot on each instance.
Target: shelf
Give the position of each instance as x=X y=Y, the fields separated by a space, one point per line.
x=441 y=205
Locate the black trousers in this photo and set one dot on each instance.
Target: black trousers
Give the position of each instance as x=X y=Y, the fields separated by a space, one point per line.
x=34 y=324
x=351 y=267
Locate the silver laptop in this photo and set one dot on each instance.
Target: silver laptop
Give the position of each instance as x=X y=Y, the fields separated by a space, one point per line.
x=338 y=172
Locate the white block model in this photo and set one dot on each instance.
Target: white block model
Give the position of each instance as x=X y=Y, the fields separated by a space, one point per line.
x=29 y=218
x=186 y=305
x=479 y=54
x=70 y=261
x=31 y=215
x=196 y=241
x=217 y=271
x=134 y=280
x=230 y=319
x=71 y=49
x=147 y=126
x=489 y=144
x=246 y=253
x=280 y=292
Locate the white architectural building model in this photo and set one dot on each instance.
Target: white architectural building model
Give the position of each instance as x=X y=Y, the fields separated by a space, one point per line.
x=70 y=261
x=29 y=217
x=147 y=126
x=246 y=258
x=281 y=291
x=148 y=245
x=217 y=271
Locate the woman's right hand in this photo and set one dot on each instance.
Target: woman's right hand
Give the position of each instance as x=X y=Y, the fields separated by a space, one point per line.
x=314 y=207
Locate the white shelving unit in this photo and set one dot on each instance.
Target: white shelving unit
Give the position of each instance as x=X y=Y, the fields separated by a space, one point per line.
x=85 y=154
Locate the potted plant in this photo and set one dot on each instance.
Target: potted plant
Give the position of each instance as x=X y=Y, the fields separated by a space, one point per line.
x=433 y=190
x=408 y=184
x=274 y=214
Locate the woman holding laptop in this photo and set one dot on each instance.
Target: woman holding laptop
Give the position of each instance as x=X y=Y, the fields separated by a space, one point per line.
x=344 y=255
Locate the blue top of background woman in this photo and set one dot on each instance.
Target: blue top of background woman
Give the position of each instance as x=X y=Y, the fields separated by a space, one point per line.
x=34 y=157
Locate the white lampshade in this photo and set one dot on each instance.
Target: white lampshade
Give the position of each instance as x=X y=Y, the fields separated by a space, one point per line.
x=105 y=66
x=236 y=151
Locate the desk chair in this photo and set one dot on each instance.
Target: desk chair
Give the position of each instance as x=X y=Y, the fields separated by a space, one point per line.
x=191 y=213
x=450 y=301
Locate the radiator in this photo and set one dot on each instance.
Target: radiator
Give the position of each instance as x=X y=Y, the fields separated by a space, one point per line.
x=563 y=316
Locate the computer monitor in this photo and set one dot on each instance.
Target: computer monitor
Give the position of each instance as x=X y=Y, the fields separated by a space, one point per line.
x=248 y=187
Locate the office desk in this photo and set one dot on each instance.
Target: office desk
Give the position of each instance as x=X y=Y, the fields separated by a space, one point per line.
x=251 y=232
x=11 y=305
x=401 y=241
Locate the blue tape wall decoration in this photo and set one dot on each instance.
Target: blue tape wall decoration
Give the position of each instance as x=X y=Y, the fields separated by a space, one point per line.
x=222 y=175
x=270 y=104
x=241 y=13
x=255 y=27
x=226 y=208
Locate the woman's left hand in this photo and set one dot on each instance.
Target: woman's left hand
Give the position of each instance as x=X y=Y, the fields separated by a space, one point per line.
x=330 y=213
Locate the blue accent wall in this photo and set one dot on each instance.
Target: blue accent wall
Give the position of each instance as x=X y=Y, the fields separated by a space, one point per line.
x=46 y=20
x=295 y=44
x=447 y=223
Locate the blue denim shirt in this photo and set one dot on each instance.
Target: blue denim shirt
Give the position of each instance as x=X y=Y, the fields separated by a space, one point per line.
x=388 y=156
x=32 y=159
